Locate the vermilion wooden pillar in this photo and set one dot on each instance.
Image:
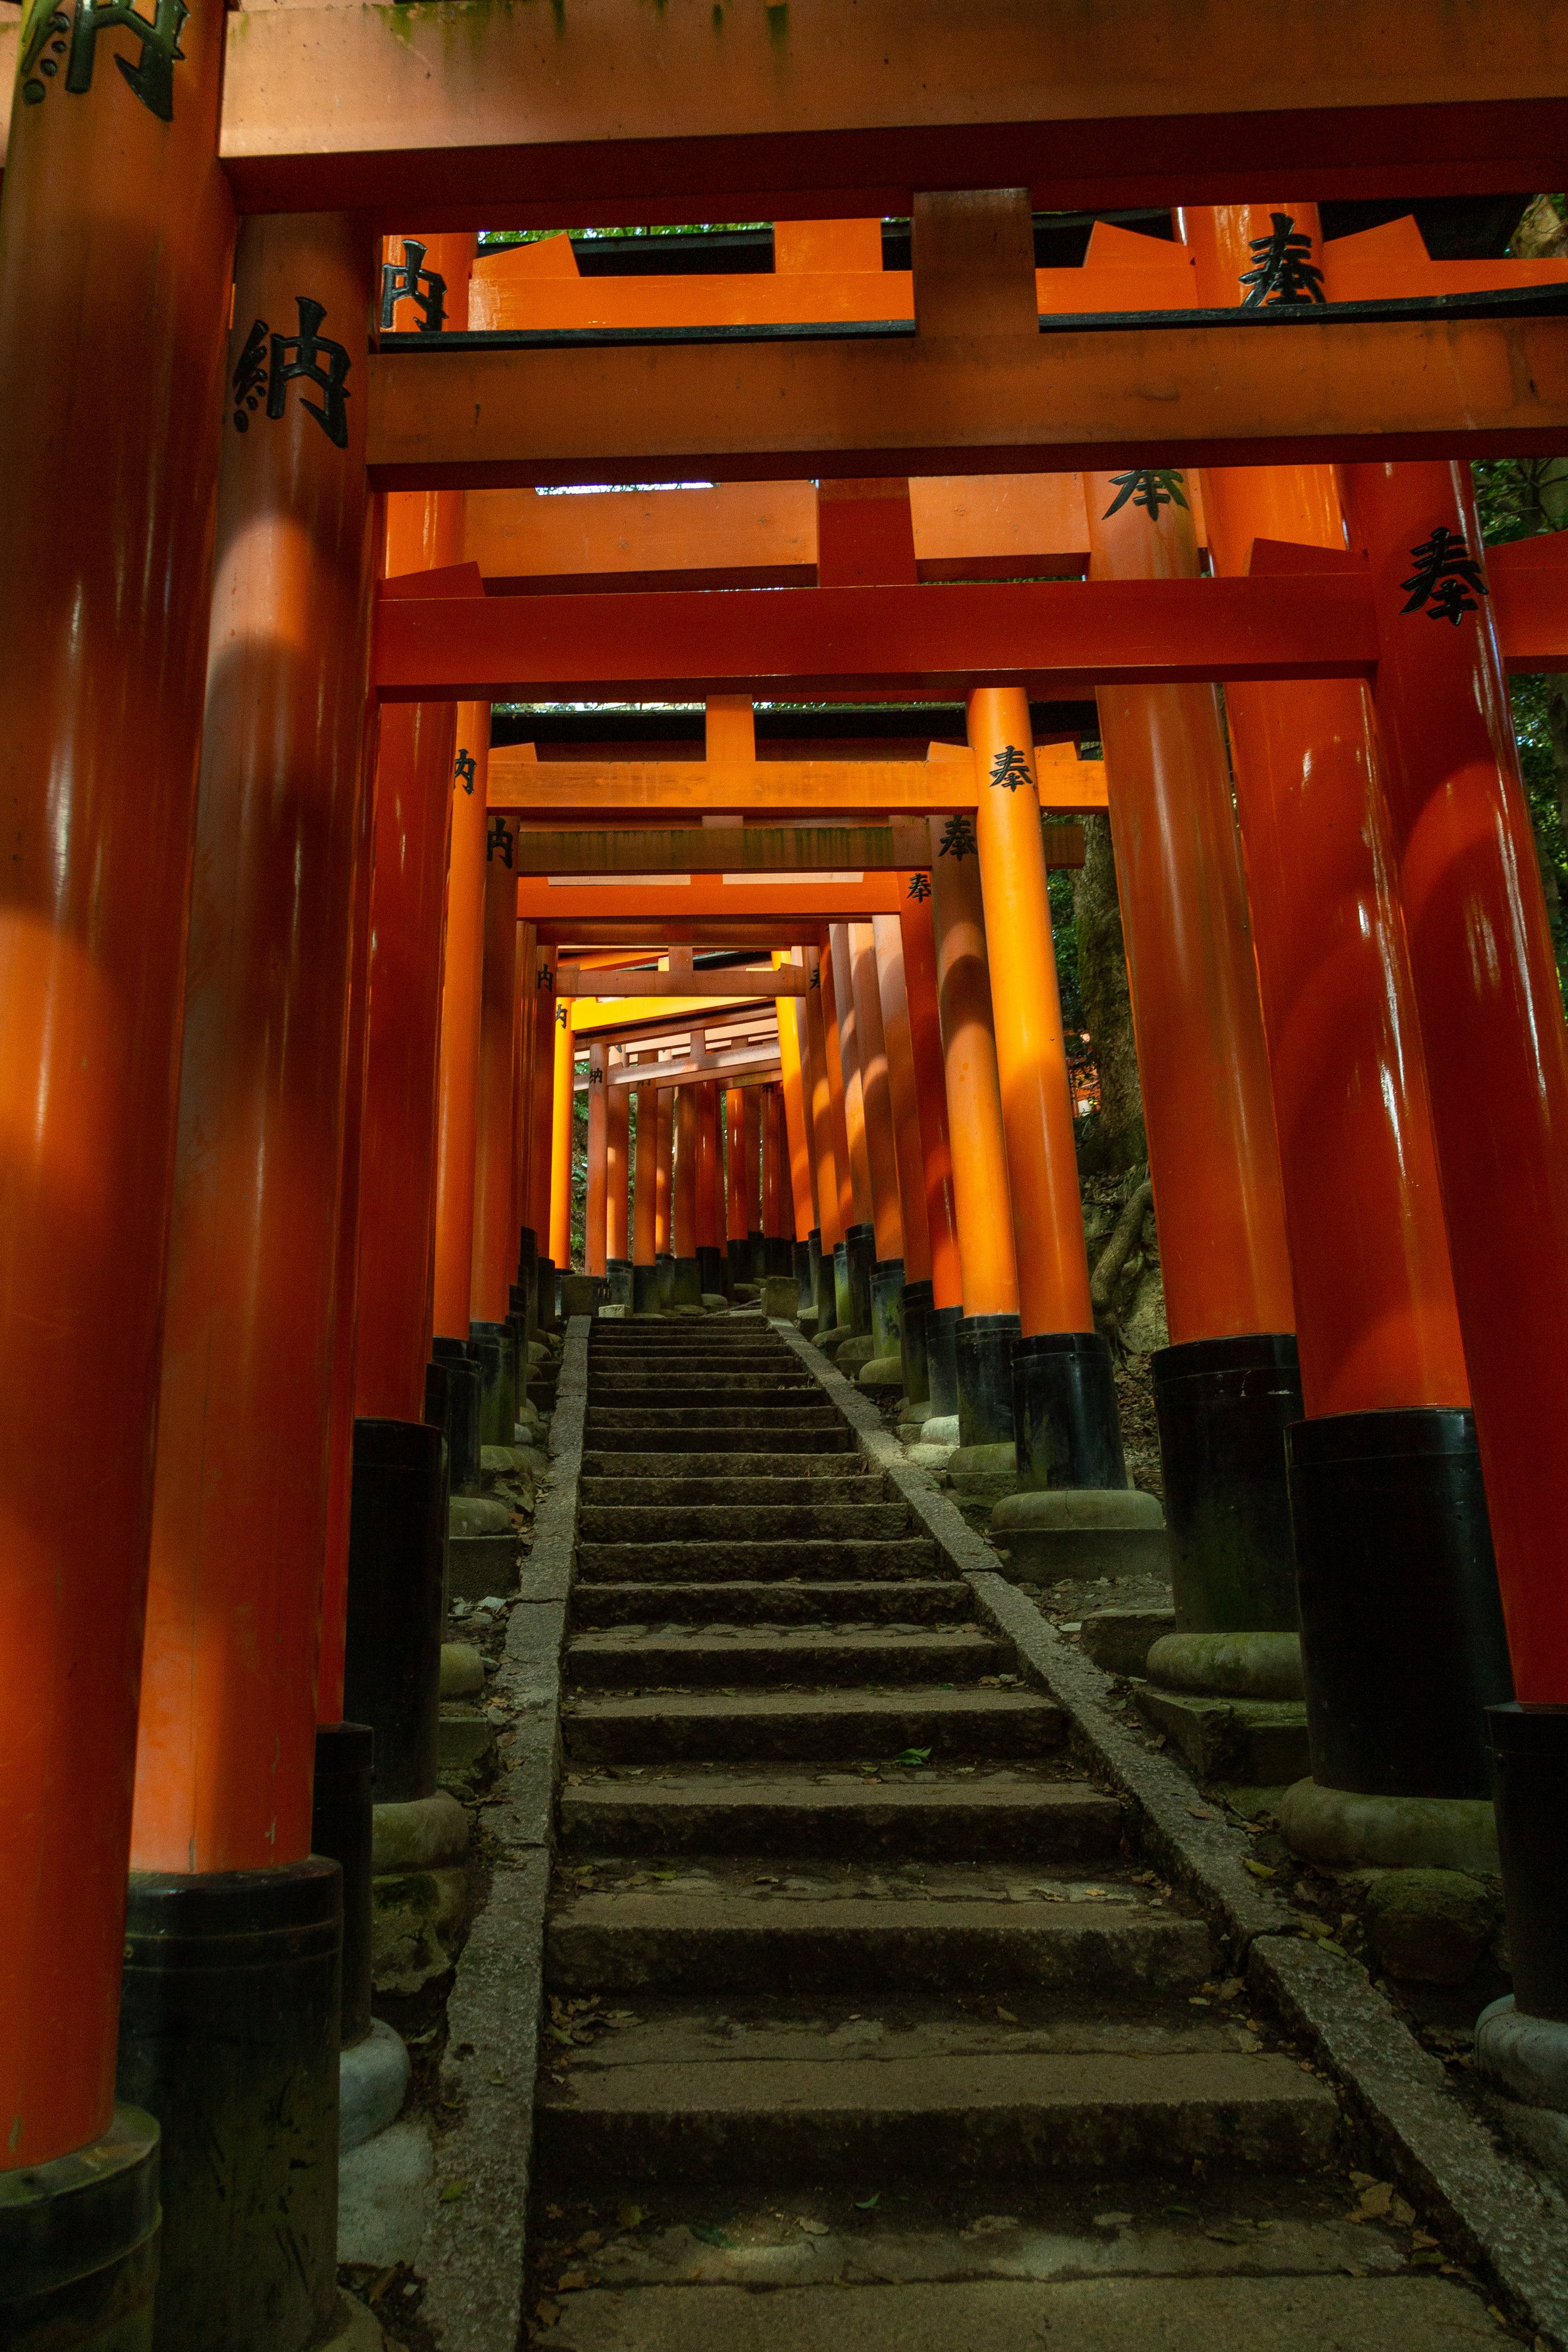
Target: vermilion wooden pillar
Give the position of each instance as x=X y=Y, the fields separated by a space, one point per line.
x=834 y=1197
x=645 y=1206
x=416 y=746
x=561 y=1141
x=736 y=1246
x=115 y=236
x=793 y=1062
x=877 y=1101
x=461 y=990
x=903 y=1096
x=931 y=1089
x=495 y=1231
x=851 y=1076
x=1491 y=1016
x=710 y=1209
x=618 y=1188
x=856 y=1254
x=688 y=1272
x=595 y=1250
x=523 y=1084
x=227 y=1728
x=663 y=1170
x=752 y=1130
x=828 y=1230
x=541 y=1126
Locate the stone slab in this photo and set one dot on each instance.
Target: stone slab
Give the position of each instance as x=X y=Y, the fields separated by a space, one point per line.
x=1117 y=1640
x=1252 y=1739
x=1044 y=1821
x=480 y=1565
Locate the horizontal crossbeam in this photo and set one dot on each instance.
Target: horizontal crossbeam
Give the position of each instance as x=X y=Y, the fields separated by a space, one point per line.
x=749 y=849
x=816 y=901
x=801 y=790
x=735 y=986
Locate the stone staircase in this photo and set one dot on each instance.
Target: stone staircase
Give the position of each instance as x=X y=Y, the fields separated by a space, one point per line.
x=857 y=1995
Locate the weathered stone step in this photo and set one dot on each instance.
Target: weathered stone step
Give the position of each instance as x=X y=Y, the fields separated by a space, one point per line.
x=818 y=1462
x=888 y=2312
x=730 y=1943
x=921 y=1599
x=616 y=1660
x=817 y=1727
x=674 y=1494
x=723 y=1437
x=1047 y=1820
x=872 y=2119
x=656 y=1379
x=648 y=1563
x=815 y=1414
x=732 y=1519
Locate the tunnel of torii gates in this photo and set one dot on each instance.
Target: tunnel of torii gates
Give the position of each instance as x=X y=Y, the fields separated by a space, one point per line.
x=296 y=967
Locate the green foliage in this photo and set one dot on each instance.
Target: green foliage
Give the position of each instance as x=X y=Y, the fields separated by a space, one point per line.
x=1515 y=497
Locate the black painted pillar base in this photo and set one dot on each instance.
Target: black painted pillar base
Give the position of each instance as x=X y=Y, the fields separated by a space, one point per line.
x=738 y=1251
x=983 y=1350
x=1064 y=1411
x=686 y=1289
x=804 y=1277
x=1224 y=1406
x=941 y=1360
x=228 y=2037
x=778 y=1256
x=664 y=1269
x=1529 y=1795
x=861 y=1248
x=645 y=1291
x=757 y=1242
x=1402 y=1635
x=617 y=1282
x=827 y=1291
x=528 y=1277
x=494 y=1346
x=545 y=1310
x=710 y=1269
x=887 y=1296
x=392 y=1654
x=913 y=1308
x=462 y=1412
x=811 y=1296
x=842 y=1316
x=342 y=1830
x=78 y=2244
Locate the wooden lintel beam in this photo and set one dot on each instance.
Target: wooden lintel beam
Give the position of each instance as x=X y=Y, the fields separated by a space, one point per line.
x=752 y=1069
x=1321 y=390
x=661 y=932
x=739 y=983
x=797 y=792
x=471 y=115
x=815 y=901
x=753 y=849
x=1051 y=638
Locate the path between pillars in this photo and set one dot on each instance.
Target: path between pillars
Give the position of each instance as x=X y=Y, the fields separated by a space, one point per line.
x=857 y=1993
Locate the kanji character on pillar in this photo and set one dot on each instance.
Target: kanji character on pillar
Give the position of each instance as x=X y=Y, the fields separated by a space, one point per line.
x=1010 y=768
x=960 y=840
x=1283 y=269
x=409 y=281
x=310 y=350
x=1149 y=487
x=465 y=768
x=920 y=885
x=1444 y=572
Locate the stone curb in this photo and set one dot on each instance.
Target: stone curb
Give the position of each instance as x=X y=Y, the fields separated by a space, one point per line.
x=473 y=2253
x=1505 y=2221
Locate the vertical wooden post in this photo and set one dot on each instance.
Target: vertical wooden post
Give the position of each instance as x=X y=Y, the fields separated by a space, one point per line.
x=930 y=1090
x=461 y=986
x=561 y=1140
x=981 y=1198
x=663 y=1170
x=848 y=1042
x=905 y=1105
x=541 y=1123
x=710 y=1207
x=227 y=1736
x=683 y=1200
x=877 y=1101
x=645 y=1205
x=833 y=1170
x=752 y=1130
x=595 y=1242
x=495 y=1233
x=115 y=238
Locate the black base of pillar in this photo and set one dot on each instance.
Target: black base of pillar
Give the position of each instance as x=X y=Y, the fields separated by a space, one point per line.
x=618 y=1277
x=805 y=1283
x=78 y=2245
x=982 y=1347
x=1529 y=1793
x=547 y=1308
x=341 y=1826
x=757 y=1242
x=738 y=1251
x=391 y=1653
x=463 y=1440
x=228 y=2037
x=861 y=1247
x=1064 y=1411
x=664 y=1268
x=1224 y=1406
x=813 y=1297
x=827 y=1291
x=645 y=1291
x=528 y=1277
x=941 y=1360
x=1402 y=1635
x=493 y=1345
x=913 y=1309
x=843 y=1314
x=438 y=1396
x=710 y=1269
x=686 y=1290
x=887 y=1299
x=778 y=1256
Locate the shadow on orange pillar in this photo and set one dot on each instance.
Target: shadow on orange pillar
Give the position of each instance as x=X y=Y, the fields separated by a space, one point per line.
x=664 y=1170
x=851 y=1079
x=1491 y=1016
x=461 y=990
x=931 y=1089
x=115 y=238
x=596 y=1213
x=906 y=1117
x=618 y=1188
x=561 y=1141
x=495 y=1233
x=796 y=1095
x=735 y=1184
x=645 y=1204
x=833 y=1174
x=688 y=1290
x=876 y=1094
x=752 y=1130
x=522 y=1093
x=541 y=1115
x=981 y=1198
x=710 y=1209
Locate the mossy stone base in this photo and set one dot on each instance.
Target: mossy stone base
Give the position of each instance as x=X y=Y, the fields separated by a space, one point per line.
x=1248 y=1740
x=1344 y=1830
x=1430 y=1927
x=416 y=1925
x=1229 y=1665
x=882 y=1372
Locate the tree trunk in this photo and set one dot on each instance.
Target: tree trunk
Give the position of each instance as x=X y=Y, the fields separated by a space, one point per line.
x=1111 y=1139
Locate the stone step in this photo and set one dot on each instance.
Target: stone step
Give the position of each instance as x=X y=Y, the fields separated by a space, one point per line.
x=732 y=1944
x=820 y=1462
x=648 y=1563
x=947 y=1820
x=886 y=2119
x=675 y=1494
x=732 y=1519
x=819 y=1727
x=620 y=1660
x=918 y=1600
x=689 y=1437
x=818 y=1414
x=659 y=1380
